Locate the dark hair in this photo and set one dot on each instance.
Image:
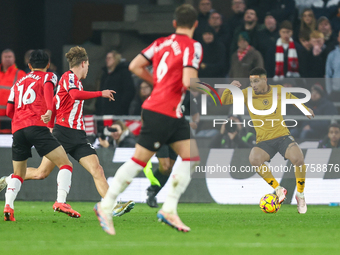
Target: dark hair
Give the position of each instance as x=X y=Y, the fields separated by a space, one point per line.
x=336 y=125
x=258 y=71
x=304 y=34
x=286 y=24
x=39 y=59
x=185 y=16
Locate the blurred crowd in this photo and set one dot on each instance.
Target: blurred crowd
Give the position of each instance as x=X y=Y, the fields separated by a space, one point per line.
x=293 y=40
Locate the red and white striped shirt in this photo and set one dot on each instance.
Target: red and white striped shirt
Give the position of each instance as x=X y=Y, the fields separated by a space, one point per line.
x=69 y=111
x=29 y=99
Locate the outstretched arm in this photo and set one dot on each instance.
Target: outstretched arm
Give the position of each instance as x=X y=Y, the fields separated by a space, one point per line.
x=83 y=95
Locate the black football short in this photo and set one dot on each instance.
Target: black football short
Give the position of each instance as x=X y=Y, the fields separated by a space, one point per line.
x=166 y=152
x=273 y=146
x=37 y=136
x=74 y=142
x=159 y=129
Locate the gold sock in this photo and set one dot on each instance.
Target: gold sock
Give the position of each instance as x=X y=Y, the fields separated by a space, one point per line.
x=300 y=176
x=265 y=173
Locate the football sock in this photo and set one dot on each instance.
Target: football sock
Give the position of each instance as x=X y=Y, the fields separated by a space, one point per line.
x=64 y=183
x=300 y=175
x=8 y=178
x=13 y=187
x=121 y=180
x=265 y=173
x=179 y=180
x=162 y=179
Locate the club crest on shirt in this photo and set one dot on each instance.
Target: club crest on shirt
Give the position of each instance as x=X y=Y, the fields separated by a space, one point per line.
x=265 y=101
x=156 y=145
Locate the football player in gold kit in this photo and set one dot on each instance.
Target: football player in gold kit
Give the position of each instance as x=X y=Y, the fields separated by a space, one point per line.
x=272 y=135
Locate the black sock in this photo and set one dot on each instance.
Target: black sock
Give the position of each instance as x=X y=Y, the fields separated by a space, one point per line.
x=162 y=180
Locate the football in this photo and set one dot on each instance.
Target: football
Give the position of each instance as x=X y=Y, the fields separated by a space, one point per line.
x=269 y=203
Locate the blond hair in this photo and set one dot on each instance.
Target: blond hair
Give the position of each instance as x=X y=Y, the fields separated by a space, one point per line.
x=76 y=55
x=316 y=35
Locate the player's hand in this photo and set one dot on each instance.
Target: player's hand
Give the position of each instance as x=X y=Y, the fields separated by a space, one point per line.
x=236 y=84
x=310 y=116
x=108 y=94
x=47 y=116
x=51 y=129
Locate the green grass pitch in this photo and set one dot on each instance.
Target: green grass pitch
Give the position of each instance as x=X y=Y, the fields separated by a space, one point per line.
x=215 y=229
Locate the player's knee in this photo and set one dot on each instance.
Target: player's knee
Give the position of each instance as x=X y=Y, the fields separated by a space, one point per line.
x=97 y=171
x=297 y=161
x=255 y=161
x=42 y=175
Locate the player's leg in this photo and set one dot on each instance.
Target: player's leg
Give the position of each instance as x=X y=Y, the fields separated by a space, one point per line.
x=13 y=187
x=44 y=169
x=92 y=165
x=166 y=158
x=21 y=151
x=295 y=155
x=40 y=173
x=162 y=175
x=121 y=180
x=59 y=157
x=257 y=157
x=180 y=179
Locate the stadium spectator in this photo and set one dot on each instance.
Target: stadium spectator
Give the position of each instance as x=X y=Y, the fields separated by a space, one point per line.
x=221 y=33
x=238 y=8
x=144 y=90
x=333 y=137
x=316 y=58
x=233 y=136
x=281 y=9
x=9 y=74
x=213 y=62
x=324 y=26
x=267 y=43
x=303 y=48
x=333 y=73
x=286 y=59
x=250 y=26
x=204 y=10
x=118 y=135
x=115 y=76
x=326 y=8
x=316 y=129
x=245 y=58
x=307 y=23
x=336 y=21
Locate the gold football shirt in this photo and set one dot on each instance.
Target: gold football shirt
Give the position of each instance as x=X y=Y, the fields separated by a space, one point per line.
x=267 y=127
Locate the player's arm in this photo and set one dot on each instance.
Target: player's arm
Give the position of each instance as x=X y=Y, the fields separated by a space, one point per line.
x=291 y=96
x=10 y=104
x=139 y=65
x=54 y=112
x=189 y=73
x=83 y=95
x=227 y=97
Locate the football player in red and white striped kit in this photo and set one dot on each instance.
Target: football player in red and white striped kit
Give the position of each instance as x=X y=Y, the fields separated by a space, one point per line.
x=30 y=107
x=69 y=130
x=175 y=61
